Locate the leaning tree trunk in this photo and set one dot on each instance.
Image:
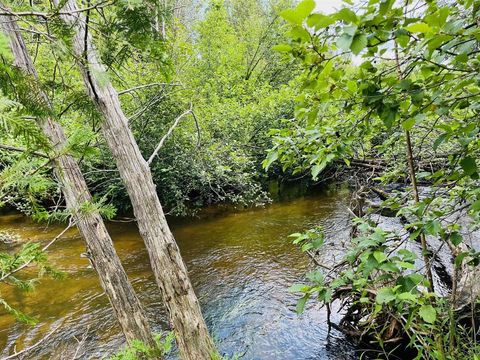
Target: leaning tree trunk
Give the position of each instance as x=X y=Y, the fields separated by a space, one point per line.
x=101 y=252
x=191 y=332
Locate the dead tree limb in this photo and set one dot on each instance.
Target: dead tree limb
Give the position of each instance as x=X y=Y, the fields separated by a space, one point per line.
x=22 y=150
x=169 y=132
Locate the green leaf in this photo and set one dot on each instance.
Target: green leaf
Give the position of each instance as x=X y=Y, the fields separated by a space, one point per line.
x=316 y=276
x=439 y=17
x=389 y=267
x=417 y=96
x=408 y=123
x=344 y=41
x=385 y=295
x=405 y=84
x=432 y=227
x=440 y=140
x=316 y=169
x=475 y=206
x=282 y=48
x=295 y=235
x=327 y=69
x=379 y=256
x=419 y=27
x=460 y=257
x=298 y=288
x=403 y=40
x=462 y=57
x=469 y=165
x=305 y=8
x=428 y=313
x=301 y=304
x=407 y=296
x=271 y=157
x=359 y=43
x=388 y=115
x=319 y=21
x=352 y=86
x=456 y=238
x=298 y=32
x=406 y=265
x=410 y=281
x=297 y=15
x=291 y=16
x=350 y=29
x=346 y=15
x=437 y=41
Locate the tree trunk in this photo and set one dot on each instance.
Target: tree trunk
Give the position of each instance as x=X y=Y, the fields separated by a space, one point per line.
x=191 y=332
x=101 y=252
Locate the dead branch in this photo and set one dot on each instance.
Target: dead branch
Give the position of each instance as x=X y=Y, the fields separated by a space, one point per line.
x=163 y=84
x=162 y=140
x=22 y=150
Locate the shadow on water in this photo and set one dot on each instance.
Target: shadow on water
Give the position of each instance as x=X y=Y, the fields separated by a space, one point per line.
x=241 y=265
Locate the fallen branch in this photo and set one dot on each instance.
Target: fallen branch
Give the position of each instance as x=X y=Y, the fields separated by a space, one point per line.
x=383 y=195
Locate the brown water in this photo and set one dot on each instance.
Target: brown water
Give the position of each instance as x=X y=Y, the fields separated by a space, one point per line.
x=241 y=265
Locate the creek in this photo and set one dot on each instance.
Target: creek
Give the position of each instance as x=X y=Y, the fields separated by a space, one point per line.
x=241 y=264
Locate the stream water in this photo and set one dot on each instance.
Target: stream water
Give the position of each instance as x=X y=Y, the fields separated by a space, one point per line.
x=241 y=265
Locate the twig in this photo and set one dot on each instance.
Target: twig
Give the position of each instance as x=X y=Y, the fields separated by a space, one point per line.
x=413 y=182
x=318 y=263
x=22 y=150
x=197 y=126
x=147 y=86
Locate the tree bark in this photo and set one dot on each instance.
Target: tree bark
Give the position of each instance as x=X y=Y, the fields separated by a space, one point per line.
x=193 y=339
x=101 y=252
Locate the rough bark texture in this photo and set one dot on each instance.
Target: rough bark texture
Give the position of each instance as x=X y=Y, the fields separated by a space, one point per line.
x=191 y=332
x=101 y=252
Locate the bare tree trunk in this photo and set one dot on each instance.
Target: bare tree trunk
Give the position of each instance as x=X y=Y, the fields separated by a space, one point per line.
x=101 y=252
x=191 y=332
